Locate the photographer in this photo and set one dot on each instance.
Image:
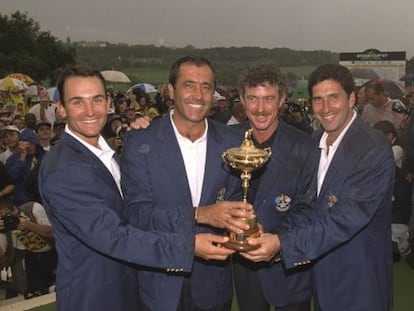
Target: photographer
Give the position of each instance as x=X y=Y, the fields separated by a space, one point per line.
x=26 y=243
x=295 y=115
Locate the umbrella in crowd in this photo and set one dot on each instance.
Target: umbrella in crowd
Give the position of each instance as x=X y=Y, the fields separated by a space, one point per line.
x=364 y=73
x=12 y=85
x=22 y=77
x=408 y=78
x=392 y=88
x=115 y=76
x=144 y=87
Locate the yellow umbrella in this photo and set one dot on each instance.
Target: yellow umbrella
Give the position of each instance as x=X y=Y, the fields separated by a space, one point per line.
x=22 y=77
x=12 y=85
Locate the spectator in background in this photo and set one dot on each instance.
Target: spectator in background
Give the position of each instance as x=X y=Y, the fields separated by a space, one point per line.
x=27 y=242
x=58 y=127
x=221 y=109
x=361 y=100
x=30 y=122
x=121 y=106
x=18 y=121
x=294 y=114
x=378 y=107
x=401 y=204
x=130 y=115
x=43 y=131
x=400 y=113
x=238 y=114
x=10 y=135
x=6 y=183
x=408 y=168
x=23 y=166
x=44 y=109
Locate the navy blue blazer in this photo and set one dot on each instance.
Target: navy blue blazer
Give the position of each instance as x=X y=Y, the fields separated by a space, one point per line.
x=96 y=245
x=346 y=230
x=155 y=184
x=287 y=175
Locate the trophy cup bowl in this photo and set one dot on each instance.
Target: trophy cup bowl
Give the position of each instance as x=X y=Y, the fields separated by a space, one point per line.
x=246 y=159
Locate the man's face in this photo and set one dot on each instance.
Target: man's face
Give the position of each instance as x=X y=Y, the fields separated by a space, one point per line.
x=19 y=123
x=262 y=104
x=44 y=132
x=59 y=129
x=30 y=120
x=332 y=106
x=85 y=107
x=362 y=99
x=11 y=139
x=192 y=93
x=29 y=146
x=377 y=100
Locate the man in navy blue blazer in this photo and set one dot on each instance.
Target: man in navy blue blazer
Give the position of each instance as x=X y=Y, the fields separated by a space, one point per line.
x=176 y=164
x=98 y=245
x=342 y=225
x=272 y=192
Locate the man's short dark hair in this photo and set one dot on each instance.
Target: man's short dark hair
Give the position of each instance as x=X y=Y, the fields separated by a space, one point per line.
x=376 y=86
x=77 y=71
x=334 y=72
x=193 y=60
x=260 y=74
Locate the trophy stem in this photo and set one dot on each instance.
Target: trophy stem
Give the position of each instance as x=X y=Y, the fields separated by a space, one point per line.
x=245 y=177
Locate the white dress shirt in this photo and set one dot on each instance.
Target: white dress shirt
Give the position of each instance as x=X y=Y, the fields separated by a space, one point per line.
x=328 y=152
x=194 y=156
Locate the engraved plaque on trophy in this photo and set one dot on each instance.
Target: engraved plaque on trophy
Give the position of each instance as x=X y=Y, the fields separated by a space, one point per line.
x=246 y=159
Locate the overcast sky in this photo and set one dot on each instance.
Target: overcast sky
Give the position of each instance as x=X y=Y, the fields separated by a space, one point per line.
x=338 y=26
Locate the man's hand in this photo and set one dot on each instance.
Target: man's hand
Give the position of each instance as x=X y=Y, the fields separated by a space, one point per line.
x=140 y=123
x=224 y=215
x=269 y=247
x=22 y=149
x=209 y=246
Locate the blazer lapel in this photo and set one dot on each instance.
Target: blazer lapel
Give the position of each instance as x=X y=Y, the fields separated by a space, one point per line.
x=171 y=158
x=337 y=164
x=275 y=169
x=213 y=163
x=90 y=158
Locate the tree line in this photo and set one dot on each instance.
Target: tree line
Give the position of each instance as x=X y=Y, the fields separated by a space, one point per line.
x=24 y=47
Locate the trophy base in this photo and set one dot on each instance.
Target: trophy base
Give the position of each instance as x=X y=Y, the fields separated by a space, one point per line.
x=240 y=246
x=238 y=242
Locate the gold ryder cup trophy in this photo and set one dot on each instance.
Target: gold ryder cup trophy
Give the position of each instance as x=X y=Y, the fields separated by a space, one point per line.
x=246 y=159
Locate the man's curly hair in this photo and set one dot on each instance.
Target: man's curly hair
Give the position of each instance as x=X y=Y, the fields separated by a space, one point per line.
x=260 y=74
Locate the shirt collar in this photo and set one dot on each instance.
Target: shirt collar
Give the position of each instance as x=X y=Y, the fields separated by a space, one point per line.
x=322 y=142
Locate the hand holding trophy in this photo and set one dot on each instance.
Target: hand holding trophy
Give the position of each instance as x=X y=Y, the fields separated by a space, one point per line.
x=246 y=159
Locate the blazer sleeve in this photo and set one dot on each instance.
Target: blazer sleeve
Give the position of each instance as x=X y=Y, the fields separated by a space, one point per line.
x=364 y=192
x=91 y=211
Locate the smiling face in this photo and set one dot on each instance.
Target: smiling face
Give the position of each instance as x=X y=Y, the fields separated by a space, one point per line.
x=193 y=95
x=262 y=104
x=332 y=107
x=86 y=107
